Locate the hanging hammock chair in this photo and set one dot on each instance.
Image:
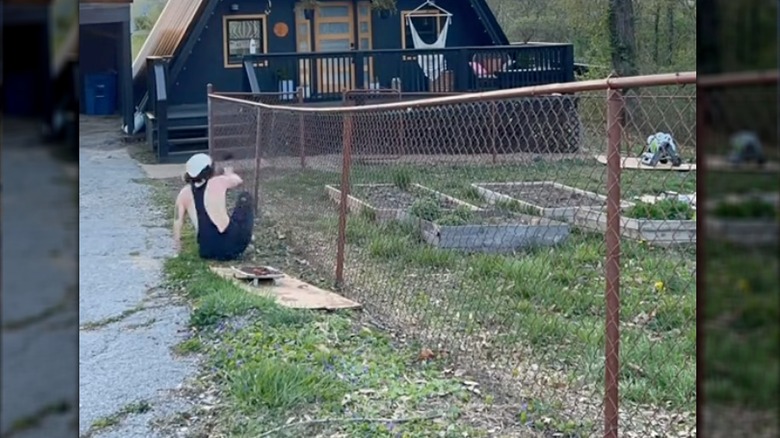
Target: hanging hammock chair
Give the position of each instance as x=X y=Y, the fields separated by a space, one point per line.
x=433 y=65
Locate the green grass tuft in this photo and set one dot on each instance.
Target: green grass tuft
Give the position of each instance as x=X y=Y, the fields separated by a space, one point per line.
x=274 y=384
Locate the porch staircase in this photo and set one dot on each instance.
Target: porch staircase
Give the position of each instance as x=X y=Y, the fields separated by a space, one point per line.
x=187 y=133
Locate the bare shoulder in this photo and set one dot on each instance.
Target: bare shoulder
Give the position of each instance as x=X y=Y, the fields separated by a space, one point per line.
x=223 y=181
x=184 y=194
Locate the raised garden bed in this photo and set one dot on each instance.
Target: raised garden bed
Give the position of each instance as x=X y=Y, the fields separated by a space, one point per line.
x=664 y=223
x=385 y=202
x=745 y=220
x=492 y=231
x=543 y=198
x=449 y=223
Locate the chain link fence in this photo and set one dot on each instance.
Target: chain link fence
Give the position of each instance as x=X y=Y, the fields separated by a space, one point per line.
x=514 y=232
x=738 y=137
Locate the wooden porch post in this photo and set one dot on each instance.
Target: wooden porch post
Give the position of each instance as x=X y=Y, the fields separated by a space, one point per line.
x=210 y=119
x=126 y=76
x=357 y=67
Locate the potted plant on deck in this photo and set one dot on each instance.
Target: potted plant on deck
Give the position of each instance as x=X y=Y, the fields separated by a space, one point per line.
x=384 y=7
x=286 y=84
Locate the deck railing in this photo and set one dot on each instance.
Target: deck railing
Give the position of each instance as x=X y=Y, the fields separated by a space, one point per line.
x=325 y=75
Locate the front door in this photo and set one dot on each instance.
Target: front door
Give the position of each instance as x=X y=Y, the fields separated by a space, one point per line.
x=333 y=32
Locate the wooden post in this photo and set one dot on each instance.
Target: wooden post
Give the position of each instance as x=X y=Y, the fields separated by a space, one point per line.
x=210 y=119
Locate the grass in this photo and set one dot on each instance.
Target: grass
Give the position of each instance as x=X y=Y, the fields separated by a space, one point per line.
x=456 y=180
x=137 y=41
x=747 y=209
x=741 y=315
x=547 y=302
x=282 y=366
x=109 y=421
x=92 y=325
x=559 y=293
x=549 y=299
x=34 y=420
x=720 y=183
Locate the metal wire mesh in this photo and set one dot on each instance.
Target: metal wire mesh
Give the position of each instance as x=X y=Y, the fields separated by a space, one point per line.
x=477 y=226
x=741 y=309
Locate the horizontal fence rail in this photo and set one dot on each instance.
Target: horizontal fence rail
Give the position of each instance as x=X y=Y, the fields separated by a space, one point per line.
x=514 y=231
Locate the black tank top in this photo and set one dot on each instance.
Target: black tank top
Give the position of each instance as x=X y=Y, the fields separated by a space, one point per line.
x=209 y=237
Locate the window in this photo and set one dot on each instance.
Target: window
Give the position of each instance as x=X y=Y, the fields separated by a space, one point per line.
x=428 y=23
x=244 y=35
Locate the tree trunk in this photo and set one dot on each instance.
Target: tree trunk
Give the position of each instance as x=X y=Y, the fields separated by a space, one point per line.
x=622 y=43
x=622 y=36
x=670 y=25
x=656 y=23
x=708 y=55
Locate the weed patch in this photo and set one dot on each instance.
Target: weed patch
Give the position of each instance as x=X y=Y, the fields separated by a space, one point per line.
x=312 y=373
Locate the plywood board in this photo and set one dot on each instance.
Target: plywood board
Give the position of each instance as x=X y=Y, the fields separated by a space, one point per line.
x=636 y=163
x=291 y=292
x=721 y=164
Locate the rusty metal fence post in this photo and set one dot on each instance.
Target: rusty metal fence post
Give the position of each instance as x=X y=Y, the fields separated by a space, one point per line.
x=493 y=131
x=346 y=164
x=258 y=156
x=301 y=131
x=210 y=119
x=702 y=105
x=612 y=264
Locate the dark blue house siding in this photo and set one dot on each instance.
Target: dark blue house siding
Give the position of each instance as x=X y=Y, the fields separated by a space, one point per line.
x=204 y=64
x=99 y=42
x=104 y=46
x=25 y=80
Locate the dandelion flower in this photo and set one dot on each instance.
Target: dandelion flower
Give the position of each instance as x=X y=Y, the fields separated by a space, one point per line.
x=743 y=285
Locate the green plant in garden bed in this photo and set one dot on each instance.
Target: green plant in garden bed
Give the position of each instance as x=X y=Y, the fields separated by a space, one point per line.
x=753 y=208
x=430 y=209
x=461 y=215
x=665 y=209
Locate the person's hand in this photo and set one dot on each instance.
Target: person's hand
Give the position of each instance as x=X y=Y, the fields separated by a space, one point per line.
x=228 y=170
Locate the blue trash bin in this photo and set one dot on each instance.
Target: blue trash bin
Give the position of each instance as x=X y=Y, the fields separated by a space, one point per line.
x=100 y=94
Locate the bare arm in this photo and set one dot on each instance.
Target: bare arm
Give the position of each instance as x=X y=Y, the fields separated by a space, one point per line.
x=230 y=179
x=179 y=210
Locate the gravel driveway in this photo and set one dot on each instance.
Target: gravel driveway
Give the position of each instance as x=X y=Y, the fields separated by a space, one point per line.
x=39 y=287
x=128 y=372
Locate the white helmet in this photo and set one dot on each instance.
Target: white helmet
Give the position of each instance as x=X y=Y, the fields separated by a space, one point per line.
x=197 y=163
